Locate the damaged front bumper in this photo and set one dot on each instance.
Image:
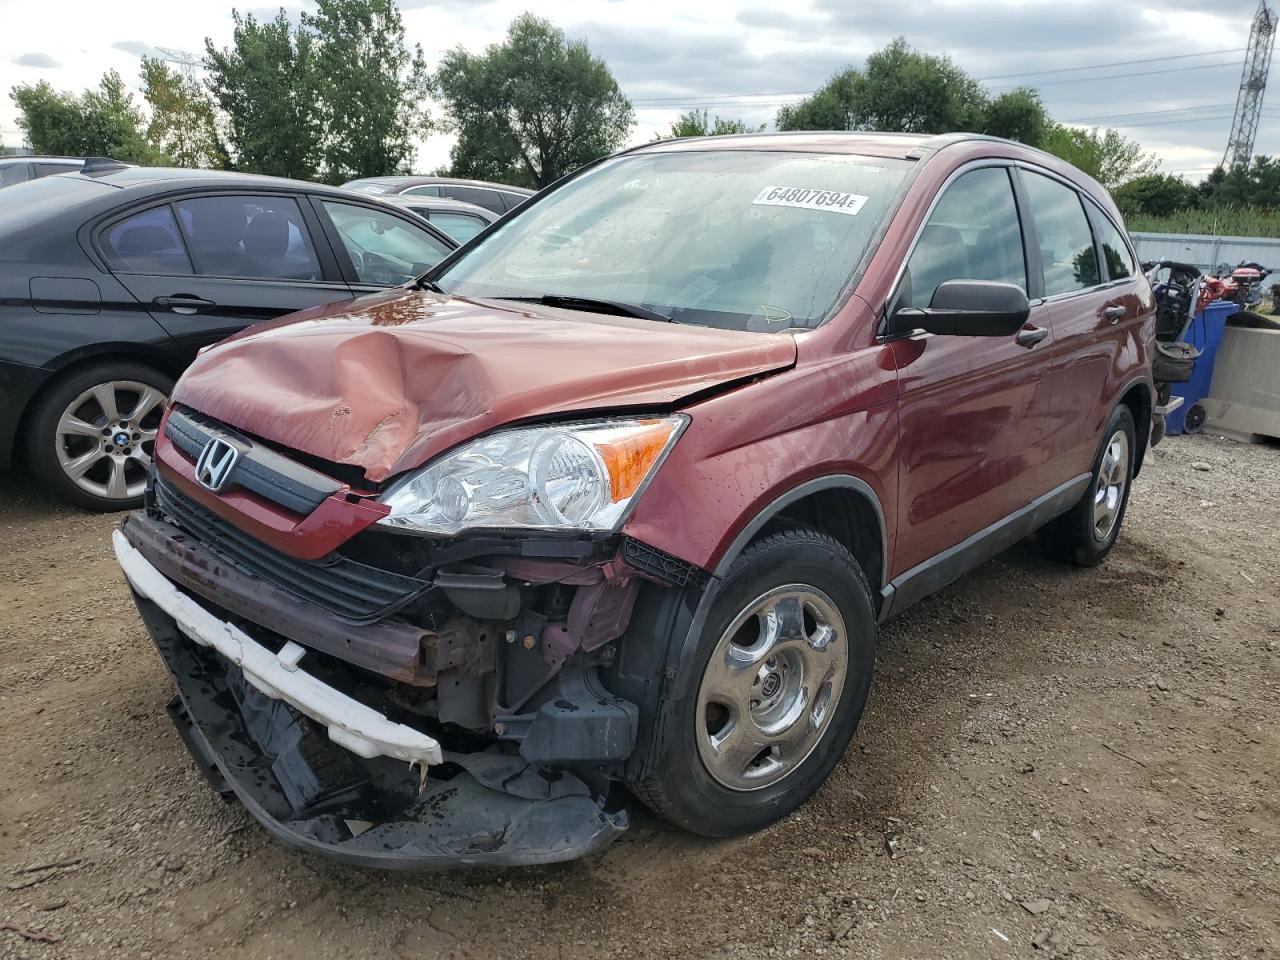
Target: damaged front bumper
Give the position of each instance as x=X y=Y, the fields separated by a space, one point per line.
x=326 y=773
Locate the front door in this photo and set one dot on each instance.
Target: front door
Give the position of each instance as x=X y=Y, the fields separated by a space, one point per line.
x=208 y=266
x=973 y=411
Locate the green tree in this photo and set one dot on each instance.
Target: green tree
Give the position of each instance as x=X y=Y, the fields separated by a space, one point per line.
x=904 y=91
x=1156 y=195
x=1257 y=185
x=370 y=88
x=537 y=105
x=100 y=122
x=265 y=85
x=1016 y=115
x=697 y=123
x=184 y=121
x=835 y=106
x=898 y=90
x=1108 y=156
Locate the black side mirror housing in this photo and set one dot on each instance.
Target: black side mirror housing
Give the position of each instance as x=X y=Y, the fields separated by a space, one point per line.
x=967 y=308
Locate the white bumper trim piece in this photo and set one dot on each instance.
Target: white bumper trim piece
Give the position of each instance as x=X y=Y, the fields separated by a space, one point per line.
x=351 y=724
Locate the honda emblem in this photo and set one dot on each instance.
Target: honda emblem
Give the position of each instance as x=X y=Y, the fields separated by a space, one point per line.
x=216 y=461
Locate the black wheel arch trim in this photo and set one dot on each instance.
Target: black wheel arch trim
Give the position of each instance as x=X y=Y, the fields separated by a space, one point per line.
x=680 y=641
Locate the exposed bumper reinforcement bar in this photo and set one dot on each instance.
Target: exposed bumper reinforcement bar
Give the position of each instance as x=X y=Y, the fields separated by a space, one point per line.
x=351 y=724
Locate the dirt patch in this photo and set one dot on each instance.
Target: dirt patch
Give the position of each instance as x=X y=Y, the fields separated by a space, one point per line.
x=1053 y=762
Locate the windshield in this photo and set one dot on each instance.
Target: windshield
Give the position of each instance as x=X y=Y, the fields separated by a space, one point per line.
x=747 y=240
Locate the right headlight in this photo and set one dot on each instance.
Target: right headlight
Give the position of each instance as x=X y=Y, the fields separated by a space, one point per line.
x=579 y=476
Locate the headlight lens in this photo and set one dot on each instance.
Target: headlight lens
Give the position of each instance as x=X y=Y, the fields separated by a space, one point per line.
x=580 y=476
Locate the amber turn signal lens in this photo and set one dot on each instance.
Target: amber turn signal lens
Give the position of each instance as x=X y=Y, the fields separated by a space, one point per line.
x=631 y=455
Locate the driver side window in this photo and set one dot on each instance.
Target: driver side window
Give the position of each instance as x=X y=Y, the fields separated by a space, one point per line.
x=972 y=234
x=384 y=249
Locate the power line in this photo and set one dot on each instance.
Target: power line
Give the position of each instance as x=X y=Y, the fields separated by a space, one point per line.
x=1140 y=73
x=726 y=98
x=1149 y=113
x=1117 y=63
x=1157 y=123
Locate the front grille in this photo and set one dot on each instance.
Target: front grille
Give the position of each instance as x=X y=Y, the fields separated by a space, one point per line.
x=349 y=589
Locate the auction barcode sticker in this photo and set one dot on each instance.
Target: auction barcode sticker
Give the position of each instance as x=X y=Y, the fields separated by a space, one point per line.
x=832 y=201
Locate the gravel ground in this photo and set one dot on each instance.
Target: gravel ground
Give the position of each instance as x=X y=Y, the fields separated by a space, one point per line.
x=1054 y=762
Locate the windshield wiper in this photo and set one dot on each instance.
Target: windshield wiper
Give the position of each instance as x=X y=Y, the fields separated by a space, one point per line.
x=422 y=283
x=615 y=307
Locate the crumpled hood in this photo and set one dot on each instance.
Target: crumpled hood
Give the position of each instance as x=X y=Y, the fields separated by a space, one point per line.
x=390 y=381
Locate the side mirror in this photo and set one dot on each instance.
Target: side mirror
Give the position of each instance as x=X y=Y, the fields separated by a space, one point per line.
x=967 y=308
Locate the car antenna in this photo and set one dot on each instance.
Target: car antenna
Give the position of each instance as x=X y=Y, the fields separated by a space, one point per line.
x=94 y=165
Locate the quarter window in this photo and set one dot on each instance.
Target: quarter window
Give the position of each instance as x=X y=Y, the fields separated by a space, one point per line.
x=429 y=190
x=1115 y=252
x=972 y=234
x=147 y=242
x=256 y=237
x=489 y=199
x=1062 y=229
x=384 y=249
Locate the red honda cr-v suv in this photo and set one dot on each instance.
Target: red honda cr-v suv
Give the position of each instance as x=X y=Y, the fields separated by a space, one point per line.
x=618 y=493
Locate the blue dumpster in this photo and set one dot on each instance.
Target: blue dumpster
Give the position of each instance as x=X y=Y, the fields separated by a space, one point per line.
x=1205 y=333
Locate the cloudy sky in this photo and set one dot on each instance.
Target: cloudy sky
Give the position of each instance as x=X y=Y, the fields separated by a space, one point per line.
x=1094 y=61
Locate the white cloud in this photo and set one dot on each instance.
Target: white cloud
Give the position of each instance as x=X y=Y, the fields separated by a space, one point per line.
x=717 y=52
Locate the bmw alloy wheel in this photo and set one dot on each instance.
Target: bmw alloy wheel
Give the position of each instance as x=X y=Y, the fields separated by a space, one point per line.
x=106 y=436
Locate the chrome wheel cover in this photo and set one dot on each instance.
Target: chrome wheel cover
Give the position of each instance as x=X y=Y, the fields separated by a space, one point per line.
x=771 y=687
x=1113 y=477
x=105 y=438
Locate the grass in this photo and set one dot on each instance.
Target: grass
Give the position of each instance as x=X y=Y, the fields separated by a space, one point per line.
x=1216 y=222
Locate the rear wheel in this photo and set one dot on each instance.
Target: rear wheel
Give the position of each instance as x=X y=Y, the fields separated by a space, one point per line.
x=93 y=434
x=1085 y=534
x=773 y=691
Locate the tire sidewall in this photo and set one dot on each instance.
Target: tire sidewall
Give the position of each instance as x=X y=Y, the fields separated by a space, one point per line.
x=706 y=805
x=1091 y=551
x=41 y=438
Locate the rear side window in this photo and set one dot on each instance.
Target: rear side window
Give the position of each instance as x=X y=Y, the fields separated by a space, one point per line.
x=489 y=199
x=47 y=169
x=1115 y=252
x=461 y=226
x=147 y=242
x=1062 y=231
x=255 y=237
x=972 y=234
x=11 y=173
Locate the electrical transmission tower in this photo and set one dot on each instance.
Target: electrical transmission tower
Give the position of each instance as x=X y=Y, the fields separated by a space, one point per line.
x=1253 y=84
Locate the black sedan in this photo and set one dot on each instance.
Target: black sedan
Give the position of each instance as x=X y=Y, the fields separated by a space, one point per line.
x=113 y=277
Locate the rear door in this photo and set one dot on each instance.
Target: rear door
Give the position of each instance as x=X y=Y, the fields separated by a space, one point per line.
x=207 y=265
x=973 y=411
x=1093 y=294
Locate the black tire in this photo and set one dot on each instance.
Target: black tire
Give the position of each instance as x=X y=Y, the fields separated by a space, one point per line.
x=681 y=789
x=1193 y=420
x=44 y=442
x=1073 y=537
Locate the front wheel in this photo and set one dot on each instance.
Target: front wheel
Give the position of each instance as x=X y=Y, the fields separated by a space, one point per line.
x=1085 y=534
x=772 y=692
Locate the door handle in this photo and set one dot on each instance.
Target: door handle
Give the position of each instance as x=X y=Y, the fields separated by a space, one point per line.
x=1029 y=336
x=184 y=303
x=1115 y=312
